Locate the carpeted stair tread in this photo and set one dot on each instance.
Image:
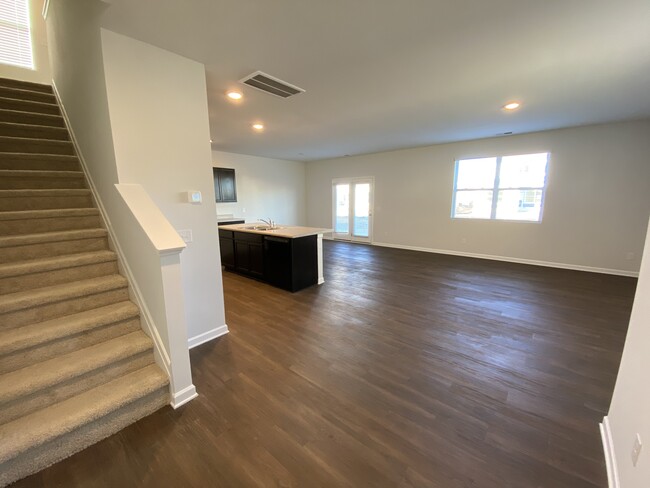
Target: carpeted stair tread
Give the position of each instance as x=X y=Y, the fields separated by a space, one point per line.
x=25 y=337
x=52 y=294
x=48 y=213
x=39 y=161
x=29 y=105
x=27 y=381
x=45 y=192
x=47 y=237
x=21 y=117
x=26 y=94
x=39 y=173
x=27 y=432
x=17 y=199
x=35 y=140
x=20 y=338
x=33 y=131
x=33 y=156
x=75 y=364
x=26 y=85
x=57 y=262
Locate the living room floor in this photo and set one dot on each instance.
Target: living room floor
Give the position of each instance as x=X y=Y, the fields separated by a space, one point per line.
x=405 y=369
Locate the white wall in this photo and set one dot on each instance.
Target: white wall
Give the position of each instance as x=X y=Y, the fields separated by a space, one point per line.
x=159 y=117
x=75 y=48
x=266 y=188
x=41 y=72
x=629 y=412
x=73 y=30
x=596 y=208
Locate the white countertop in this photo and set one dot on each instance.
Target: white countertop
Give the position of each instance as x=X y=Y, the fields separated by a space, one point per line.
x=287 y=231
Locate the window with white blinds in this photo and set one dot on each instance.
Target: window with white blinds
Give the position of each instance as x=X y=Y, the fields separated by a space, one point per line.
x=15 y=42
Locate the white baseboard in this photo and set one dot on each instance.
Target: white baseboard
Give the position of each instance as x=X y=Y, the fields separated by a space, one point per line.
x=182 y=397
x=549 y=264
x=610 y=458
x=207 y=336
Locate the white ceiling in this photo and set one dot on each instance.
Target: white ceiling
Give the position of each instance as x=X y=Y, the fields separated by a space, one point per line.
x=388 y=74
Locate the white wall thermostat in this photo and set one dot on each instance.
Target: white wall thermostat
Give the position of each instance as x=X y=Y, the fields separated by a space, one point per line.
x=194 y=197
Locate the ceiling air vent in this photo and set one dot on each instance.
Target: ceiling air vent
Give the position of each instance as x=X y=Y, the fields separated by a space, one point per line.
x=269 y=84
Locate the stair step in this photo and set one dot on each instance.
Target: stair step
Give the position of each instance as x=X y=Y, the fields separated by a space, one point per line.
x=39 y=221
x=29 y=106
x=41 y=384
x=26 y=94
x=39 y=162
x=26 y=85
x=17 y=179
x=33 y=131
x=49 y=244
x=35 y=441
x=44 y=340
x=17 y=200
x=41 y=304
x=37 y=273
x=36 y=146
x=20 y=117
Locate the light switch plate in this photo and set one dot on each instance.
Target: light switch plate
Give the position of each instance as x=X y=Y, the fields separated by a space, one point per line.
x=186 y=235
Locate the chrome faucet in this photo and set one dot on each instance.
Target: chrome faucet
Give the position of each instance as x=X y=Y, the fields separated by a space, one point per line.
x=268 y=222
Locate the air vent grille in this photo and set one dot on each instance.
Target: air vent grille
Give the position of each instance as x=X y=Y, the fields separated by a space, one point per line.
x=269 y=84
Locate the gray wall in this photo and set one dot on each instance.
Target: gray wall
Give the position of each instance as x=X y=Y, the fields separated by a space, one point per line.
x=152 y=131
x=266 y=188
x=596 y=210
x=158 y=107
x=629 y=413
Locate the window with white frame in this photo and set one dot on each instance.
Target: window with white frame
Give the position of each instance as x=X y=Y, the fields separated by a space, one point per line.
x=500 y=188
x=15 y=39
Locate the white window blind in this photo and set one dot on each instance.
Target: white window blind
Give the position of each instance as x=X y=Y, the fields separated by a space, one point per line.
x=15 y=42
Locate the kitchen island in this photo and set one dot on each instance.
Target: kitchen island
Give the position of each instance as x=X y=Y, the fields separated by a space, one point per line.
x=289 y=257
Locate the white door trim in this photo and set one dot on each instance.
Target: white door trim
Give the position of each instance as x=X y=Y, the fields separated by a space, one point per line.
x=352 y=181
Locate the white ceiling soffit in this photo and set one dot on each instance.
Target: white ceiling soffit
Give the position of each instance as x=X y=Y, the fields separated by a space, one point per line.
x=271 y=85
x=386 y=74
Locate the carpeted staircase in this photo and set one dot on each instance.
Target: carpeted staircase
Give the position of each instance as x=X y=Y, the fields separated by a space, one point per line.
x=75 y=366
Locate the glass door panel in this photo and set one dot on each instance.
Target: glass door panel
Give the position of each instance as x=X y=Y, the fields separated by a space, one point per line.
x=361 y=226
x=342 y=209
x=352 y=209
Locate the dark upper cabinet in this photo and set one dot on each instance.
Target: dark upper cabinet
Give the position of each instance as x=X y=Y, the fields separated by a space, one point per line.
x=225 y=187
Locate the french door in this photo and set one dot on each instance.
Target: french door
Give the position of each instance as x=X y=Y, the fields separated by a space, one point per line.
x=352 y=200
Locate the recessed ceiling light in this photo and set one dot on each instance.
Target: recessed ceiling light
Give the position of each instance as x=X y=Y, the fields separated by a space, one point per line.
x=512 y=106
x=258 y=127
x=234 y=95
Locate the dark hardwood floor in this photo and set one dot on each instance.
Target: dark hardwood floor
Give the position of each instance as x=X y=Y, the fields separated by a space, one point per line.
x=404 y=369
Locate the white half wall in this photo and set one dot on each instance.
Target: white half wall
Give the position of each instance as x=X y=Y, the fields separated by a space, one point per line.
x=596 y=209
x=41 y=72
x=159 y=118
x=266 y=188
x=629 y=413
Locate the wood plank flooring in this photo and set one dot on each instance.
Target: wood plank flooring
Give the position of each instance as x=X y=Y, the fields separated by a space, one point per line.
x=404 y=369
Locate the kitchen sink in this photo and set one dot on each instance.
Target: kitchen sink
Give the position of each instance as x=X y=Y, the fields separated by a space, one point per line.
x=261 y=227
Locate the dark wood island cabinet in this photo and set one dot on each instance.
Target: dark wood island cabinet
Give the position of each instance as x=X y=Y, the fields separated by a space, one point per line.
x=290 y=263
